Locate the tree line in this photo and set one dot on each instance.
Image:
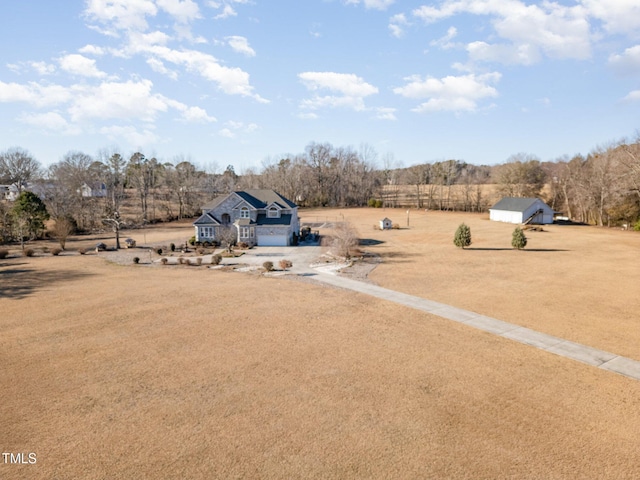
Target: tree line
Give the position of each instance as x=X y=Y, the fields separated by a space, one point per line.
x=89 y=193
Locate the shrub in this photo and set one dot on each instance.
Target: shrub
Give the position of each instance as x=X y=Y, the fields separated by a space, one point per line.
x=28 y=252
x=192 y=240
x=200 y=251
x=159 y=251
x=636 y=226
x=518 y=239
x=396 y=226
x=164 y=261
x=243 y=245
x=4 y=253
x=206 y=244
x=172 y=247
x=216 y=259
x=284 y=264
x=82 y=251
x=56 y=251
x=136 y=260
x=462 y=237
x=268 y=266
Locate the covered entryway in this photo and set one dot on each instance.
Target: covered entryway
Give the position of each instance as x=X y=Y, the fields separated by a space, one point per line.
x=272 y=241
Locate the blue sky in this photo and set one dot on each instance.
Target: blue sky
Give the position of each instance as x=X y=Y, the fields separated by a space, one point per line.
x=244 y=82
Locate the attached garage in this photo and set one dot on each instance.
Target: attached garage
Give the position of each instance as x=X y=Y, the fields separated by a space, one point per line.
x=272 y=240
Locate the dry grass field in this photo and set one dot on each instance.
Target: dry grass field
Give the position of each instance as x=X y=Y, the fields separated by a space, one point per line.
x=124 y=372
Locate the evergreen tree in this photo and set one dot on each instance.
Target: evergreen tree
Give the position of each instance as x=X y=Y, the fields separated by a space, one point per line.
x=463 y=236
x=30 y=214
x=518 y=239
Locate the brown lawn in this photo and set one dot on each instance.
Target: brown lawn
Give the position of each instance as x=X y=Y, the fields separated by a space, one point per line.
x=125 y=372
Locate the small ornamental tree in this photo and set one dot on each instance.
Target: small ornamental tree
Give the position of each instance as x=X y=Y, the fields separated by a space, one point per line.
x=518 y=239
x=463 y=236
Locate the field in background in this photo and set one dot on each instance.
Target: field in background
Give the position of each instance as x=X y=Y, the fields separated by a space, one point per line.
x=168 y=372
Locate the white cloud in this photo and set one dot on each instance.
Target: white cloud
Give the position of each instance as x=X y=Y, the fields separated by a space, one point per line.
x=233 y=81
x=76 y=64
x=240 y=45
x=197 y=115
x=372 y=4
x=628 y=62
x=227 y=133
x=445 y=41
x=51 y=121
x=307 y=116
x=397 y=24
x=618 y=16
x=121 y=14
x=43 y=68
x=549 y=28
x=117 y=100
x=504 y=53
x=159 y=67
x=386 y=113
x=136 y=138
x=227 y=8
x=351 y=89
x=454 y=94
x=34 y=94
x=233 y=129
x=633 y=96
x=92 y=50
x=183 y=11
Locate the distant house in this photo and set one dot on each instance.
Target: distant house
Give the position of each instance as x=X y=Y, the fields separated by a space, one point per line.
x=9 y=192
x=97 y=189
x=259 y=217
x=385 y=224
x=521 y=210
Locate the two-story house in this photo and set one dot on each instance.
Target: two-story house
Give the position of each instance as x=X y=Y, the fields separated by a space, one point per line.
x=259 y=217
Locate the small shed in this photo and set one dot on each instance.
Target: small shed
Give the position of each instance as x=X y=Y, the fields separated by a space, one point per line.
x=385 y=224
x=521 y=210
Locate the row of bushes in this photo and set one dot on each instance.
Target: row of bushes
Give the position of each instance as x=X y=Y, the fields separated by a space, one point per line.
x=284 y=265
x=462 y=237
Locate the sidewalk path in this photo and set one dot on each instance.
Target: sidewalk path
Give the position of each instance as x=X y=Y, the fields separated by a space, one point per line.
x=581 y=353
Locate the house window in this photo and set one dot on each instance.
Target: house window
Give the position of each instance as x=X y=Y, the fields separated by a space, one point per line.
x=272 y=212
x=244 y=212
x=206 y=232
x=244 y=232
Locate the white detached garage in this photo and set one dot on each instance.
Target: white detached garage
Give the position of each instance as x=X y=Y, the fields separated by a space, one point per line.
x=521 y=210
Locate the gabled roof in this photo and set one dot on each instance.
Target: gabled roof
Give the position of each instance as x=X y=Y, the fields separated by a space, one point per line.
x=206 y=219
x=515 y=204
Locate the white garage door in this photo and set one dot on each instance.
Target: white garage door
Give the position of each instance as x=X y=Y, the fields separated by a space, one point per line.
x=272 y=240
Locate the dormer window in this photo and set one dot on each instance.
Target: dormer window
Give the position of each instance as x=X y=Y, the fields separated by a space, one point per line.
x=244 y=212
x=273 y=212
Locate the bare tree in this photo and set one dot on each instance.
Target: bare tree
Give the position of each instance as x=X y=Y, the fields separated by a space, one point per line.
x=61 y=230
x=345 y=240
x=18 y=167
x=227 y=234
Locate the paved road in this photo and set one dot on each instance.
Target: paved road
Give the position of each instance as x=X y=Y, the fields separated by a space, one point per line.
x=304 y=256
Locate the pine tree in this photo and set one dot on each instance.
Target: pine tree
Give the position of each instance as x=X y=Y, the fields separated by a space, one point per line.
x=518 y=240
x=463 y=236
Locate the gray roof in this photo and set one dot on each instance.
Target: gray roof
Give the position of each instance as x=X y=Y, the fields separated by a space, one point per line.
x=515 y=204
x=264 y=220
x=206 y=219
x=261 y=198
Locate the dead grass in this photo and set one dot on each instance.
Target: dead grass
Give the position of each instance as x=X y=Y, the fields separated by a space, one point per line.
x=120 y=372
